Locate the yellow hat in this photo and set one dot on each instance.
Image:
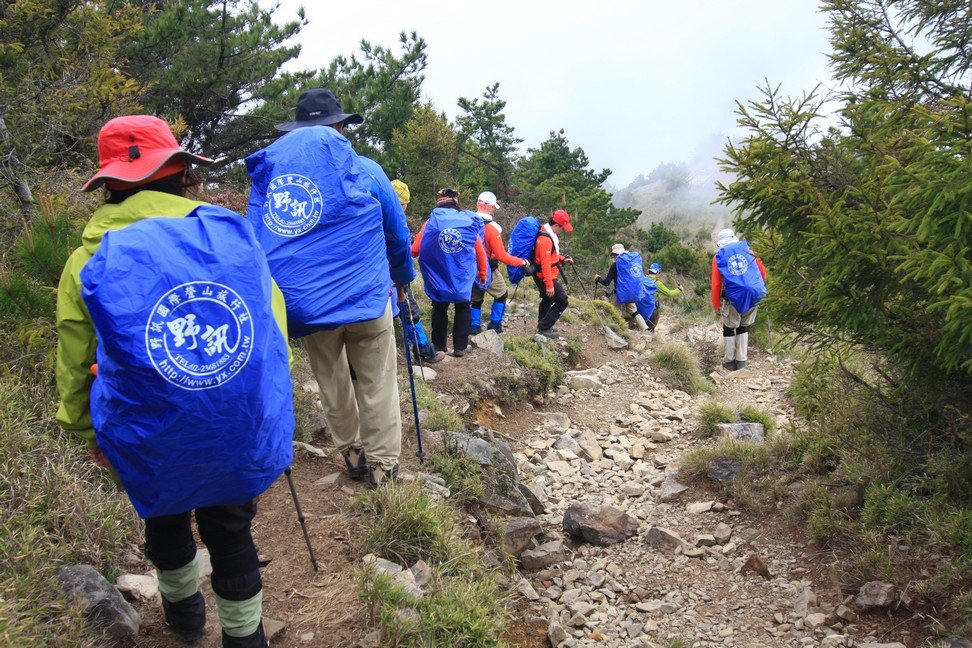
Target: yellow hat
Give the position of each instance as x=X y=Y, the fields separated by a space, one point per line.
x=404 y=195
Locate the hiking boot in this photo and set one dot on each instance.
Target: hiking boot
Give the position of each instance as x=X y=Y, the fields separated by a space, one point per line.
x=729 y=366
x=379 y=477
x=435 y=357
x=256 y=640
x=549 y=333
x=357 y=462
x=186 y=618
x=495 y=327
x=475 y=330
x=739 y=365
x=458 y=353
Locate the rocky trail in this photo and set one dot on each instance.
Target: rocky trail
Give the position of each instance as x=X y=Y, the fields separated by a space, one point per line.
x=647 y=561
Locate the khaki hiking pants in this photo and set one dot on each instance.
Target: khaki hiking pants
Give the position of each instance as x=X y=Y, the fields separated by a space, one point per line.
x=497 y=288
x=363 y=413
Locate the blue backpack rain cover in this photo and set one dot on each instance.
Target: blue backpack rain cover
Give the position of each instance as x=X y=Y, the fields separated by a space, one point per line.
x=193 y=403
x=631 y=274
x=447 y=254
x=742 y=281
x=523 y=239
x=646 y=300
x=321 y=228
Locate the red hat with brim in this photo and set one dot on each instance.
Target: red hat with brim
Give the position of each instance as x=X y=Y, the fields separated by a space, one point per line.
x=562 y=218
x=138 y=149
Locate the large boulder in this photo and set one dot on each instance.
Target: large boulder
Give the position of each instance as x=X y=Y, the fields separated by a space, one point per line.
x=753 y=432
x=599 y=525
x=503 y=492
x=106 y=612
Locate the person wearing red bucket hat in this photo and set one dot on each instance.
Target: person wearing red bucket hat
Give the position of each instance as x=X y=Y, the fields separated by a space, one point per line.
x=145 y=176
x=553 y=297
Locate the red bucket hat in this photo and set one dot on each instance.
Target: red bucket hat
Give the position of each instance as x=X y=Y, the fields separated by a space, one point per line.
x=562 y=218
x=137 y=149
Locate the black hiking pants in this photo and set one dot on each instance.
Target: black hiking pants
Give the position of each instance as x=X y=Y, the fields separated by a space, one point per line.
x=551 y=308
x=225 y=530
x=460 y=325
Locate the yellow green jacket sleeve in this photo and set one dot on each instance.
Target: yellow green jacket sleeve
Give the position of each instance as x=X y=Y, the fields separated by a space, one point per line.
x=76 y=346
x=279 y=307
x=665 y=290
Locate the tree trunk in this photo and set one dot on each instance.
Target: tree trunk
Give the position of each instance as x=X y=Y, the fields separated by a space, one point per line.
x=8 y=164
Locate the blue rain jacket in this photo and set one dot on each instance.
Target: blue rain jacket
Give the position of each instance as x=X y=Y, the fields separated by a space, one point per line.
x=321 y=228
x=447 y=254
x=193 y=402
x=741 y=280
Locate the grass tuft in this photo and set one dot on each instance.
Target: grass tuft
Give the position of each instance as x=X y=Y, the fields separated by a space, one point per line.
x=543 y=364
x=679 y=368
x=712 y=413
x=753 y=414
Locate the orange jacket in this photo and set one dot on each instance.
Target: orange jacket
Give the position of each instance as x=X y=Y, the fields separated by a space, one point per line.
x=717 y=282
x=495 y=248
x=481 y=262
x=547 y=260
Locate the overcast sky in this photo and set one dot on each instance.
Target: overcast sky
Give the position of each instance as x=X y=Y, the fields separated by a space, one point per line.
x=633 y=83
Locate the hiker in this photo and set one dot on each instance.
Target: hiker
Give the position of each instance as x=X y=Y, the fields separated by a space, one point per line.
x=630 y=309
x=553 y=297
x=336 y=267
x=414 y=332
x=654 y=274
x=170 y=302
x=451 y=256
x=738 y=284
x=486 y=206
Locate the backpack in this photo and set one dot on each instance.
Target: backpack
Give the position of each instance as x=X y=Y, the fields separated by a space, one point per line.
x=447 y=254
x=646 y=299
x=742 y=281
x=631 y=273
x=523 y=239
x=193 y=402
x=313 y=213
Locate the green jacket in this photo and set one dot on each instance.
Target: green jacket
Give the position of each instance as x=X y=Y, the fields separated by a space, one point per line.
x=665 y=290
x=76 y=340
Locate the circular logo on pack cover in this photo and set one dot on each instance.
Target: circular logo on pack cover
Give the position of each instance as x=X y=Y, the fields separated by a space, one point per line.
x=294 y=205
x=199 y=335
x=637 y=271
x=737 y=264
x=450 y=240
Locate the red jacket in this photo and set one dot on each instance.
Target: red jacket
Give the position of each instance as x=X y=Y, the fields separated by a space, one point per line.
x=547 y=260
x=481 y=262
x=717 y=282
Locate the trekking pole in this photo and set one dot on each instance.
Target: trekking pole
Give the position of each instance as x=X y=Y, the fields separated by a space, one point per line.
x=408 y=293
x=300 y=517
x=420 y=453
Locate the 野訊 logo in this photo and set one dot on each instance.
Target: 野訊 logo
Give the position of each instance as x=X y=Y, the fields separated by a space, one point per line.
x=199 y=335
x=450 y=240
x=294 y=205
x=637 y=271
x=737 y=264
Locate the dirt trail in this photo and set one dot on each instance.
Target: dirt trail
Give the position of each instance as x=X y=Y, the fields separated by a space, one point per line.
x=628 y=594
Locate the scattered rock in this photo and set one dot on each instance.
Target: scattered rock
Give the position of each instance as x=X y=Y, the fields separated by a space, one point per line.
x=815 y=620
x=543 y=556
x=752 y=432
x=542 y=340
x=664 y=539
x=589 y=447
x=876 y=594
x=536 y=496
x=382 y=565
x=580 y=382
x=428 y=374
x=421 y=573
x=805 y=600
x=503 y=489
x=705 y=540
x=556 y=632
x=755 y=564
x=723 y=469
x=520 y=532
x=138 y=586
x=489 y=340
x=722 y=533
x=671 y=489
x=105 y=611
x=699 y=507
x=656 y=607
x=556 y=421
x=614 y=340
x=524 y=587
x=566 y=442
x=329 y=480
x=308 y=448
x=599 y=525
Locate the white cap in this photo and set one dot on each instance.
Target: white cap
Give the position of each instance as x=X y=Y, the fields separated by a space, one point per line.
x=488 y=198
x=725 y=237
x=617 y=248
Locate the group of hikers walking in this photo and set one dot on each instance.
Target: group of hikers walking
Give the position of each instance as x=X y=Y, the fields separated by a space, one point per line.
x=173 y=361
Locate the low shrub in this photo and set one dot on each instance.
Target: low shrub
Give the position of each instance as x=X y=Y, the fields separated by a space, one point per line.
x=679 y=368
